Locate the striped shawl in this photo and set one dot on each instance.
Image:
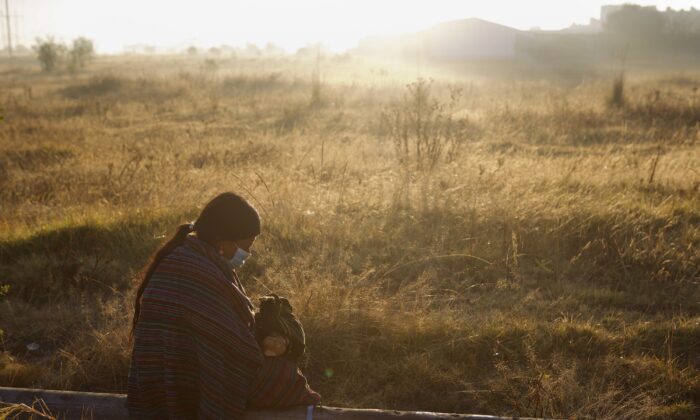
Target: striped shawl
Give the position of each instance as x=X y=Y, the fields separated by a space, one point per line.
x=195 y=353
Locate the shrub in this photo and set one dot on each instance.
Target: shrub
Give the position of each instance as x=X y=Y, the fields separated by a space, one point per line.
x=422 y=128
x=81 y=52
x=617 y=97
x=50 y=53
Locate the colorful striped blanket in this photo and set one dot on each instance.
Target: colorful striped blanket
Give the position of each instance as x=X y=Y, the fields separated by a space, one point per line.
x=195 y=353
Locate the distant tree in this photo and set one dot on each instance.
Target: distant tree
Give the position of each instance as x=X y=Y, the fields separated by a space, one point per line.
x=683 y=22
x=272 y=50
x=226 y=49
x=635 y=22
x=81 y=52
x=252 y=50
x=50 y=53
x=192 y=50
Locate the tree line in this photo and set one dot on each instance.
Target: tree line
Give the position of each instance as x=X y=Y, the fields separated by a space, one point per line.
x=643 y=22
x=53 y=55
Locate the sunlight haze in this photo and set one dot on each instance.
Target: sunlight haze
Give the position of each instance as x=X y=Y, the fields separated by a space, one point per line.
x=337 y=24
x=444 y=207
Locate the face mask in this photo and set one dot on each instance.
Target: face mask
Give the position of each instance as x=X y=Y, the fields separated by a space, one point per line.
x=239 y=258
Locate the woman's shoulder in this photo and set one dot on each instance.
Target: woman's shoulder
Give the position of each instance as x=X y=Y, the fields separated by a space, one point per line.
x=183 y=262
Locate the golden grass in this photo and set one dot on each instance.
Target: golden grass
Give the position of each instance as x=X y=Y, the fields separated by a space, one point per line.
x=550 y=268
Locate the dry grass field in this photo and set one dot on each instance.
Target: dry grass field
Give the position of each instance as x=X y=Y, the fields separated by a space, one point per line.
x=512 y=247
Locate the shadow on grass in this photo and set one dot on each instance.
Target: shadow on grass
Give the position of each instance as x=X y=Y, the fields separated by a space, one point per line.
x=74 y=259
x=478 y=367
x=112 y=89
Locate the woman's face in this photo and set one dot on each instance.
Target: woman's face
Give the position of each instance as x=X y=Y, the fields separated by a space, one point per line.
x=228 y=248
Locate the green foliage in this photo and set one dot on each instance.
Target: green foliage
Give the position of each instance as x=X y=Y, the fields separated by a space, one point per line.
x=53 y=55
x=683 y=22
x=50 y=53
x=91 y=258
x=633 y=21
x=81 y=52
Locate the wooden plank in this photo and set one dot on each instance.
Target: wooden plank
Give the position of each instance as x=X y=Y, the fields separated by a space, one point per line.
x=71 y=405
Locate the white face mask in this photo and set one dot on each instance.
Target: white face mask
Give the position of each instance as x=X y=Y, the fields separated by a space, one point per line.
x=239 y=258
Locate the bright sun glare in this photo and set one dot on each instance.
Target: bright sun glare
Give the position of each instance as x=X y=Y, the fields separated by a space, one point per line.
x=338 y=24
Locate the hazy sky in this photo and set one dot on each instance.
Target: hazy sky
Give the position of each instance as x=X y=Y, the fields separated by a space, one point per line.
x=288 y=23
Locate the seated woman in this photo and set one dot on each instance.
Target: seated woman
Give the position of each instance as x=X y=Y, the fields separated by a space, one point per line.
x=195 y=353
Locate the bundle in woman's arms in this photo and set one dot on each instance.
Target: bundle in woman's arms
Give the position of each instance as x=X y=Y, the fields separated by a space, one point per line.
x=281 y=337
x=277 y=330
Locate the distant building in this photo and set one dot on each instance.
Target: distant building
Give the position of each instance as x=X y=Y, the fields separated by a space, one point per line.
x=449 y=41
x=476 y=39
x=469 y=38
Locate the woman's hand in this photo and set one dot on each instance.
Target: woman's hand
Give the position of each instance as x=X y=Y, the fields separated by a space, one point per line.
x=274 y=345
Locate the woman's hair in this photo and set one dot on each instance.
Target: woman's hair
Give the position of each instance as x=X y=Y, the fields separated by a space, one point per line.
x=227 y=216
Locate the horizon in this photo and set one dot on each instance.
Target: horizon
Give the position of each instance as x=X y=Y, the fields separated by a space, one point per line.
x=336 y=24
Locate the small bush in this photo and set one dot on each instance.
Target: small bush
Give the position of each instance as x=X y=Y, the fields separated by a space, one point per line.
x=81 y=53
x=617 y=97
x=422 y=128
x=50 y=53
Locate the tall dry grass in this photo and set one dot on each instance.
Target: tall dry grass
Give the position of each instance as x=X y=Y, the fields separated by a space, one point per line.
x=543 y=263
